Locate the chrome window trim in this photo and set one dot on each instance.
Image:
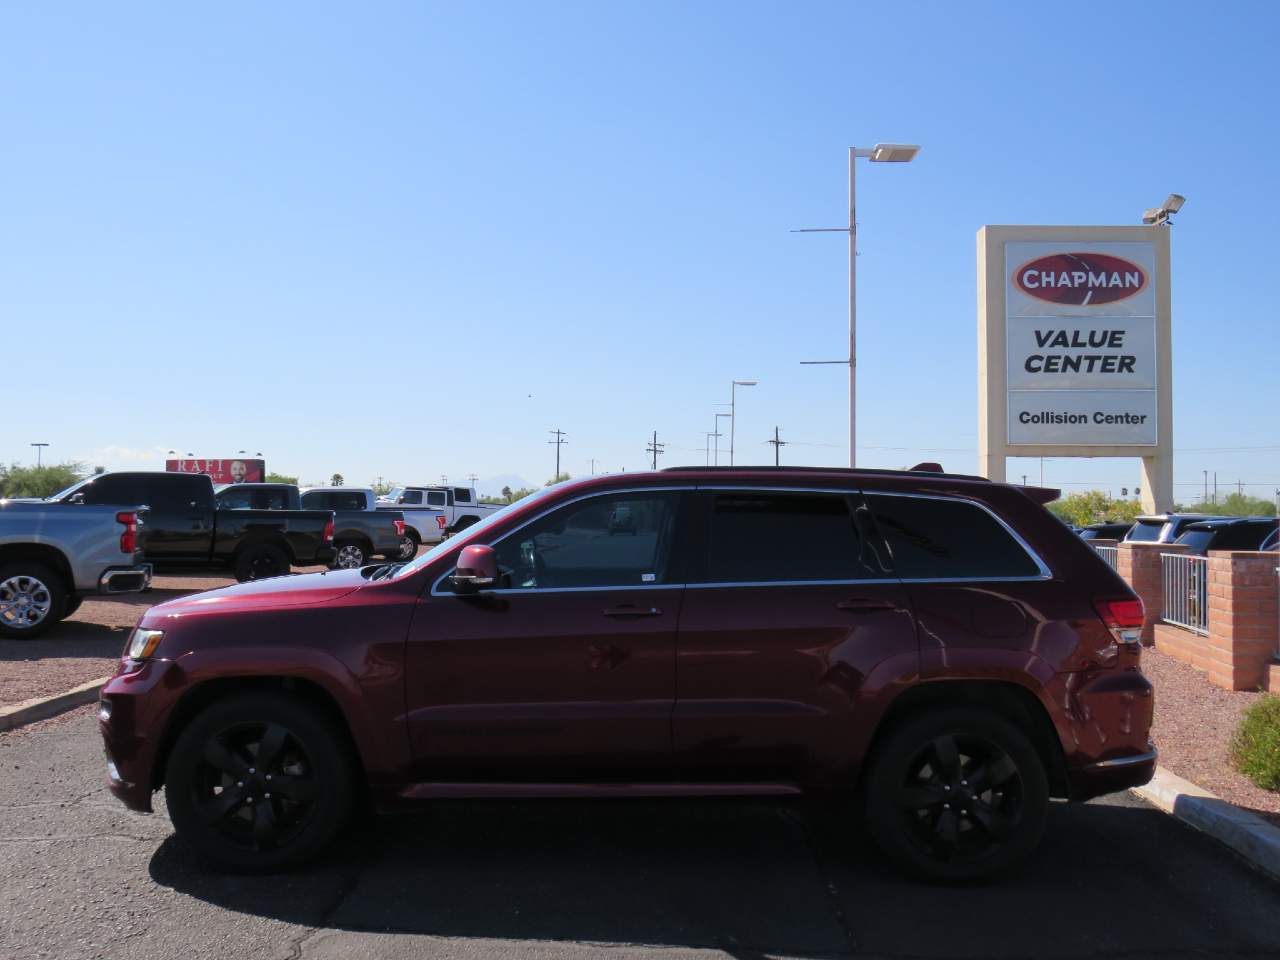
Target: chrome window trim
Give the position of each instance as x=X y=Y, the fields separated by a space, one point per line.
x=1044 y=574
x=437 y=592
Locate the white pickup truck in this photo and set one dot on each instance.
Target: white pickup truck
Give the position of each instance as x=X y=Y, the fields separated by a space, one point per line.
x=461 y=506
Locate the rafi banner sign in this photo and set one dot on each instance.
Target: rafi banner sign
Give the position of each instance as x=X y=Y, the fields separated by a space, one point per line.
x=1081 y=344
x=229 y=470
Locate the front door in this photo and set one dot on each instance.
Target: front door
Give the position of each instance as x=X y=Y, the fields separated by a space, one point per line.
x=790 y=610
x=566 y=671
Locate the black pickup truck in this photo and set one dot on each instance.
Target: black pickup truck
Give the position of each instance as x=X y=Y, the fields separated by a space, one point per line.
x=360 y=530
x=186 y=530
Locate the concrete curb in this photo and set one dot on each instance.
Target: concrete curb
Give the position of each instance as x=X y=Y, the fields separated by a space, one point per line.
x=1247 y=834
x=42 y=708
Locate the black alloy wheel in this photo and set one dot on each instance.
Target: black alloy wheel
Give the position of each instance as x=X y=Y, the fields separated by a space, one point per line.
x=261 y=563
x=259 y=782
x=958 y=795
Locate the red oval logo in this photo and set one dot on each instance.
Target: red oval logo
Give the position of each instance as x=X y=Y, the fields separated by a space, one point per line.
x=1080 y=279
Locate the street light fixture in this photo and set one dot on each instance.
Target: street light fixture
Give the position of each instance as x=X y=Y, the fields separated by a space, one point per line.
x=880 y=153
x=39 y=450
x=733 y=420
x=1160 y=216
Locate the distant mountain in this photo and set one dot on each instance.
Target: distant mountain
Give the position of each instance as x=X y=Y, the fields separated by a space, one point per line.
x=492 y=486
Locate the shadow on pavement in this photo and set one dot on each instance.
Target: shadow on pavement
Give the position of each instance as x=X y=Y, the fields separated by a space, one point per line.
x=751 y=877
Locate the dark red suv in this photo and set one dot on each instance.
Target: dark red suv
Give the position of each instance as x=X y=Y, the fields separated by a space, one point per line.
x=936 y=651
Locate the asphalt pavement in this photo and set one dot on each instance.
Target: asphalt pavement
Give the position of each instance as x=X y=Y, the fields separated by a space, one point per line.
x=82 y=877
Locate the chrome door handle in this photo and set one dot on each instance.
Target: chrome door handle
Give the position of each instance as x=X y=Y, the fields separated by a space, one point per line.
x=631 y=610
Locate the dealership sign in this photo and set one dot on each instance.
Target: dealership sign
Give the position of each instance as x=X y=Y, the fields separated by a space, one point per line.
x=1080 y=344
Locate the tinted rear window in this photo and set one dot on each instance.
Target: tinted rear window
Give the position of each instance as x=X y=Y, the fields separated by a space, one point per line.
x=1196 y=540
x=1146 y=531
x=933 y=539
x=762 y=538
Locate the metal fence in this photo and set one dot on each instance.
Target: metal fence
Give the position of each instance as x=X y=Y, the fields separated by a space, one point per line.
x=1109 y=554
x=1186 y=591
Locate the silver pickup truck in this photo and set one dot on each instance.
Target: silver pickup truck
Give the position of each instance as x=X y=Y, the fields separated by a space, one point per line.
x=51 y=558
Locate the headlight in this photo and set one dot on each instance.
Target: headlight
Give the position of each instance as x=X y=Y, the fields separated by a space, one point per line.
x=143 y=643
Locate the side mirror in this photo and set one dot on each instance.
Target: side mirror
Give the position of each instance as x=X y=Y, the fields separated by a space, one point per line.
x=76 y=498
x=477 y=569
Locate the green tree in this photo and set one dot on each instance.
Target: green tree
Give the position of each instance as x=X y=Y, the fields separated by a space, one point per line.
x=281 y=478
x=381 y=489
x=509 y=495
x=1094 y=506
x=20 y=481
x=558 y=478
x=1236 y=505
x=336 y=480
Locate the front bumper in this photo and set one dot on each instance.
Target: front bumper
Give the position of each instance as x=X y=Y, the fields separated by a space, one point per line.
x=131 y=579
x=133 y=712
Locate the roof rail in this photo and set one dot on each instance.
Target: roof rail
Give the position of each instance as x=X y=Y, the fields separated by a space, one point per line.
x=920 y=469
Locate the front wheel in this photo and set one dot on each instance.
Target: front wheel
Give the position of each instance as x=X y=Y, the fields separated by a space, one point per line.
x=32 y=599
x=259 y=782
x=957 y=794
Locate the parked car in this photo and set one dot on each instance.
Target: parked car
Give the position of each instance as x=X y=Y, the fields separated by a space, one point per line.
x=360 y=530
x=51 y=559
x=186 y=532
x=424 y=525
x=1164 y=527
x=460 y=505
x=1105 y=531
x=534 y=655
x=1229 y=533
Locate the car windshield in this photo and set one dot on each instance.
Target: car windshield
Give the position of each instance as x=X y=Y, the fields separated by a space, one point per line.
x=62 y=494
x=473 y=532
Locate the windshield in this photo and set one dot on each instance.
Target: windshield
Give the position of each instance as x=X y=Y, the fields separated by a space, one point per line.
x=473 y=532
x=61 y=494
x=1146 y=530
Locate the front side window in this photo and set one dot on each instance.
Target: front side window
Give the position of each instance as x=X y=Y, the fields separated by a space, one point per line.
x=780 y=537
x=607 y=541
x=944 y=539
x=411 y=497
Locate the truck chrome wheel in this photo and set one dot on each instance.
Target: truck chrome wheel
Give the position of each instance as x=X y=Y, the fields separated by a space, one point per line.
x=349 y=557
x=408 y=548
x=25 y=602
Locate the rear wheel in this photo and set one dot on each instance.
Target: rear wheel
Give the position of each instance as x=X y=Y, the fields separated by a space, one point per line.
x=32 y=599
x=958 y=794
x=261 y=561
x=259 y=782
x=349 y=555
x=408 y=547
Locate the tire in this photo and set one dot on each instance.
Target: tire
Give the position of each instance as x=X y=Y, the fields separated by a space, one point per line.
x=219 y=794
x=926 y=768
x=408 y=548
x=73 y=604
x=261 y=561
x=462 y=524
x=349 y=555
x=32 y=599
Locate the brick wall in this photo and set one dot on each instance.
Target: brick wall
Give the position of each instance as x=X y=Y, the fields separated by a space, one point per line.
x=1244 y=618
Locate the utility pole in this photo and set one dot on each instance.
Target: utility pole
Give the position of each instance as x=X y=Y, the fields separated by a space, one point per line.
x=559 y=441
x=593 y=466
x=654 y=449
x=778 y=444
x=707 y=449
x=473 y=478
x=1024 y=479
x=1206 y=487
x=1240 y=488
x=39 y=450
x=1215 y=487
x=716 y=461
x=444 y=480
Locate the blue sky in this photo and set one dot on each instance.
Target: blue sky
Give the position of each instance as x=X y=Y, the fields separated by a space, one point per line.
x=409 y=240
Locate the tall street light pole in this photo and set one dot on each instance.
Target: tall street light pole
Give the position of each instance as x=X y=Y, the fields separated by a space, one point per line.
x=718 y=435
x=880 y=153
x=39 y=450
x=733 y=420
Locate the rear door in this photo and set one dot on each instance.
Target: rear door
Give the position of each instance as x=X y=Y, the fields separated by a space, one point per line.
x=789 y=610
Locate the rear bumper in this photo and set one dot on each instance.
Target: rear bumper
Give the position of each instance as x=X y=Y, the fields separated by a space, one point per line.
x=132 y=579
x=1112 y=775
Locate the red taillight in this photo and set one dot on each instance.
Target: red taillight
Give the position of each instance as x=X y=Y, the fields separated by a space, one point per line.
x=441 y=522
x=128 y=539
x=328 y=531
x=1120 y=614
x=399 y=527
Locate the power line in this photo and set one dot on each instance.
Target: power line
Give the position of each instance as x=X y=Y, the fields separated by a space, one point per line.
x=559 y=441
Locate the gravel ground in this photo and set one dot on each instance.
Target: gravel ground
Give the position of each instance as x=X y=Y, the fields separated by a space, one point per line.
x=1194 y=724
x=87 y=645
